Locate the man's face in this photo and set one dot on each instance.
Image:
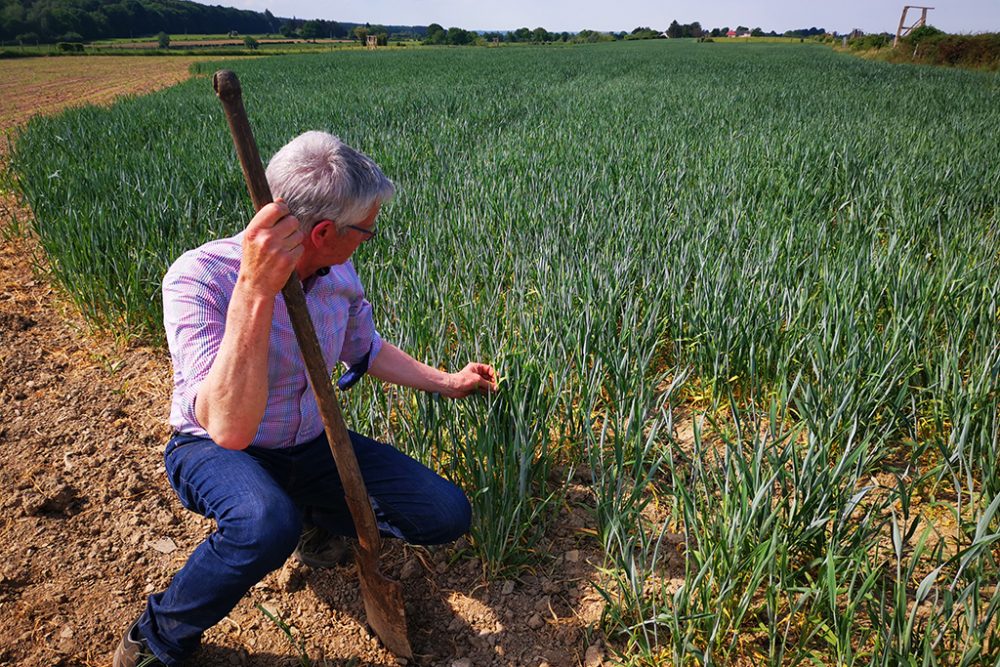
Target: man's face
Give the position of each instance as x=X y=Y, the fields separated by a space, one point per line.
x=341 y=244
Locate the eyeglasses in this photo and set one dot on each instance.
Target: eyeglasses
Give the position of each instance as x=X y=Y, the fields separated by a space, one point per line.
x=369 y=233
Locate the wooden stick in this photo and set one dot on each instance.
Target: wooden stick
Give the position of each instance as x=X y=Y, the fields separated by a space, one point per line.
x=383 y=597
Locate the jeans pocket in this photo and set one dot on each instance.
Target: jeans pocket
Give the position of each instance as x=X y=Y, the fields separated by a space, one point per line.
x=177 y=441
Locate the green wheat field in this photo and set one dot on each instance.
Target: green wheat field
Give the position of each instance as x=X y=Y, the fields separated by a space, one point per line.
x=752 y=293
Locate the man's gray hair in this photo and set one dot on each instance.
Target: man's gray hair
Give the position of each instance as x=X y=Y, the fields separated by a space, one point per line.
x=322 y=178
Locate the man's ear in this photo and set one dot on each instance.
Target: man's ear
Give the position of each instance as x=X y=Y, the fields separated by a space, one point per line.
x=322 y=232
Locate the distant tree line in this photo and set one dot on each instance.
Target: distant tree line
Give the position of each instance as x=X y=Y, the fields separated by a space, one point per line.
x=677 y=30
x=438 y=35
x=76 y=20
x=805 y=32
x=323 y=29
x=47 y=21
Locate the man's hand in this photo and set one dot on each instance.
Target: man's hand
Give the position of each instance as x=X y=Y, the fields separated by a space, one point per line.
x=474 y=378
x=272 y=247
x=395 y=366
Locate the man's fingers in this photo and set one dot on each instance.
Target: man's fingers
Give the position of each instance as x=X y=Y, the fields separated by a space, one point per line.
x=490 y=376
x=475 y=378
x=289 y=231
x=486 y=377
x=482 y=370
x=269 y=216
x=284 y=235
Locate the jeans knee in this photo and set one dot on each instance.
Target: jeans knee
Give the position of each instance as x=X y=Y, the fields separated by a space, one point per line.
x=461 y=516
x=263 y=532
x=452 y=518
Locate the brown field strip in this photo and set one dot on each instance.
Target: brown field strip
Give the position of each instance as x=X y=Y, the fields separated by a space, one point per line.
x=33 y=86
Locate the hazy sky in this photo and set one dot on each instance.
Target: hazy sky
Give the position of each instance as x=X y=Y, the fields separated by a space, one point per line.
x=573 y=15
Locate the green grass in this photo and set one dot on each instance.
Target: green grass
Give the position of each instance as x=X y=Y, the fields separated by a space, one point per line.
x=297 y=642
x=804 y=242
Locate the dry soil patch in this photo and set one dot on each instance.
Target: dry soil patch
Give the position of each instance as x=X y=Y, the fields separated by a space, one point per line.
x=32 y=86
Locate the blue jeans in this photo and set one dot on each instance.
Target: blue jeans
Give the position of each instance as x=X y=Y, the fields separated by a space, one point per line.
x=256 y=496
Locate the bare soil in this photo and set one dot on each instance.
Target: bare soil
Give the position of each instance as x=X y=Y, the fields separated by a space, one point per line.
x=89 y=526
x=45 y=85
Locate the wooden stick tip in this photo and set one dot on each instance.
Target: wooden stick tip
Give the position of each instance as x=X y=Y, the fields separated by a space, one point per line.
x=227 y=85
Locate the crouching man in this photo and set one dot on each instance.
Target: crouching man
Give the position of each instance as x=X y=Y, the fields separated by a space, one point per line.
x=249 y=450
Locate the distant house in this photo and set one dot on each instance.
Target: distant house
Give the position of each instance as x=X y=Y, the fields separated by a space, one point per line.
x=731 y=33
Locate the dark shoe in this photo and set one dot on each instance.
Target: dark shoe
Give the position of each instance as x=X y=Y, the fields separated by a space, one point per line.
x=133 y=650
x=321 y=549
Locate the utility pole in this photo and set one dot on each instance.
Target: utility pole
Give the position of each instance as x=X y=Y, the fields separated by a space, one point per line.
x=903 y=30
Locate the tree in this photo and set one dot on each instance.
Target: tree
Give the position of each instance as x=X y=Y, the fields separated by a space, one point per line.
x=12 y=19
x=715 y=33
x=540 y=34
x=674 y=31
x=757 y=32
x=381 y=34
x=695 y=30
x=163 y=39
x=643 y=32
x=311 y=30
x=922 y=34
x=251 y=43
x=805 y=32
x=459 y=37
x=436 y=34
x=592 y=36
x=360 y=33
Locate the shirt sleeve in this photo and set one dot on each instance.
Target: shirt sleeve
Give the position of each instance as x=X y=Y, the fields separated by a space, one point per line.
x=360 y=337
x=194 y=317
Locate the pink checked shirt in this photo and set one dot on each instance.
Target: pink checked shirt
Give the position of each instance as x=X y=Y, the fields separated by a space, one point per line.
x=196 y=294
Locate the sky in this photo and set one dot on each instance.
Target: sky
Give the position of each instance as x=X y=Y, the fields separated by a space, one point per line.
x=960 y=16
